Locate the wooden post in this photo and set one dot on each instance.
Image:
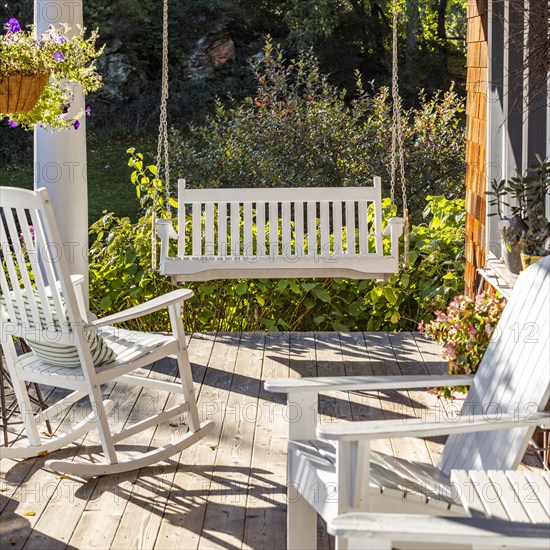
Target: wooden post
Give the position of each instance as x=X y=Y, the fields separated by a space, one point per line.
x=60 y=157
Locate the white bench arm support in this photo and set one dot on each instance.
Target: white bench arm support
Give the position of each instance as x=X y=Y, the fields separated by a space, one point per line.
x=174 y=297
x=165 y=231
x=394 y=229
x=417 y=427
x=364 y=383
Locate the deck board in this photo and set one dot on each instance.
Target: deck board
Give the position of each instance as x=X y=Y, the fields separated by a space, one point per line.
x=228 y=491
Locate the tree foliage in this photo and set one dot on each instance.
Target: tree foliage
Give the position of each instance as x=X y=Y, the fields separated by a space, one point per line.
x=299 y=130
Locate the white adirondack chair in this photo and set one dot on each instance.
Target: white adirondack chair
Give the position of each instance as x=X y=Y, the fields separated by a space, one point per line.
x=328 y=464
x=382 y=531
x=41 y=303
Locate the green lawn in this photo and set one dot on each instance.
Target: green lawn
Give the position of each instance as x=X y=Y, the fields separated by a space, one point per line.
x=109 y=186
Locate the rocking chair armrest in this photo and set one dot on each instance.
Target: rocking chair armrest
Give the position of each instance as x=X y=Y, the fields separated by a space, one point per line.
x=174 y=297
x=364 y=383
x=417 y=427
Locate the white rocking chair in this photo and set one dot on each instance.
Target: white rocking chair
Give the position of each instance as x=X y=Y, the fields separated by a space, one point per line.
x=41 y=303
x=332 y=470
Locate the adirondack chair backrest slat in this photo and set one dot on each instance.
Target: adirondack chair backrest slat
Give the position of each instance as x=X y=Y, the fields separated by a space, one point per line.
x=513 y=378
x=38 y=296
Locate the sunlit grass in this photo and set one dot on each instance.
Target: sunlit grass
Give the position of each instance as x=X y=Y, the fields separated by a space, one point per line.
x=109 y=186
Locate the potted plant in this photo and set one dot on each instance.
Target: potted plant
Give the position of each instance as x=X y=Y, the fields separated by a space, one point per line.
x=37 y=75
x=464 y=331
x=509 y=244
x=527 y=225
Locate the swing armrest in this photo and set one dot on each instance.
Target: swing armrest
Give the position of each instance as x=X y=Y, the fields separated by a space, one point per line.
x=395 y=225
x=174 y=297
x=165 y=231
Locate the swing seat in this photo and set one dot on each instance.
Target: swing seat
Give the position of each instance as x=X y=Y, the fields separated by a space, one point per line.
x=280 y=233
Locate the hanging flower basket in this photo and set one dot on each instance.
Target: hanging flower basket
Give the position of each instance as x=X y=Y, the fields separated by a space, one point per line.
x=38 y=75
x=19 y=93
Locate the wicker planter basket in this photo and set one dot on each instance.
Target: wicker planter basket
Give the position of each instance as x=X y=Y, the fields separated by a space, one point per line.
x=19 y=93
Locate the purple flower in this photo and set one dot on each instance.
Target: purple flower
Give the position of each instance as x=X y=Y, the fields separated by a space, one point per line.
x=88 y=111
x=58 y=56
x=65 y=108
x=12 y=124
x=12 y=25
x=59 y=39
x=76 y=124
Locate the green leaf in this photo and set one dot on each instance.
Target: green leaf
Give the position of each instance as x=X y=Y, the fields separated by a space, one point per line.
x=241 y=288
x=153 y=169
x=390 y=295
x=308 y=286
x=321 y=294
x=282 y=284
x=105 y=302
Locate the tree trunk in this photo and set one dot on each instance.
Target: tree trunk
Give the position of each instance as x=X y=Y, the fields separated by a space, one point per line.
x=413 y=19
x=441 y=15
x=441 y=29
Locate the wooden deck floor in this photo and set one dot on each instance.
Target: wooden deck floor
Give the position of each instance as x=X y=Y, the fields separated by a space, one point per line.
x=229 y=490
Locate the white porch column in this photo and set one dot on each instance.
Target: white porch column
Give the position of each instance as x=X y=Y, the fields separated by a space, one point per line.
x=60 y=156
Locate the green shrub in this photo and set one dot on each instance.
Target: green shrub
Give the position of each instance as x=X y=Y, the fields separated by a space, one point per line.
x=121 y=276
x=301 y=131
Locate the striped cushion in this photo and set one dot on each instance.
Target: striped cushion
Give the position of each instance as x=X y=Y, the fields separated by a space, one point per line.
x=63 y=355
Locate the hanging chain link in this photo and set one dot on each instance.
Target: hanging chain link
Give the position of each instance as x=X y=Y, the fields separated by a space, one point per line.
x=395 y=97
x=397 y=150
x=162 y=143
x=162 y=147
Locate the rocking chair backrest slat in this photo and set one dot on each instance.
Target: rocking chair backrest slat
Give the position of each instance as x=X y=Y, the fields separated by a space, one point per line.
x=513 y=378
x=30 y=242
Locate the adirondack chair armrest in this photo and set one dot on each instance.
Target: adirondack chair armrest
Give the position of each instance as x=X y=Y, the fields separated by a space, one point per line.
x=417 y=427
x=363 y=383
x=150 y=306
x=424 y=528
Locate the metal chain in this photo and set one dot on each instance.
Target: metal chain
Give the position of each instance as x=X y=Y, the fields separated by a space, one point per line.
x=162 y=143
x=162 y=146
x=395 y=95
x=397 y=151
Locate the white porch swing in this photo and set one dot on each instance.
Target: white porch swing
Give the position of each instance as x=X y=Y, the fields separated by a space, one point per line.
x=282 y=232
